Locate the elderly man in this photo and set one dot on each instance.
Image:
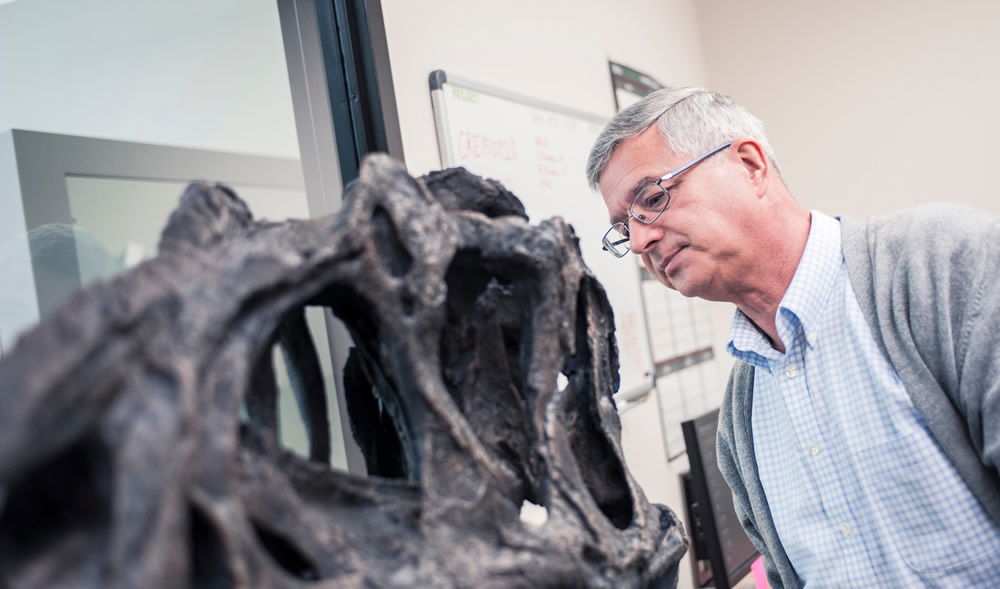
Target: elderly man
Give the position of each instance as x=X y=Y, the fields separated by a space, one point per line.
x=860 y=431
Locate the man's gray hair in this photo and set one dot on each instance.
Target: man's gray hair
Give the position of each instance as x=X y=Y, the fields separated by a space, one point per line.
x=691 y=120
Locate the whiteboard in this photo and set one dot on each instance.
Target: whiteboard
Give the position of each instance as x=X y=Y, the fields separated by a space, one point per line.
x=539 y=152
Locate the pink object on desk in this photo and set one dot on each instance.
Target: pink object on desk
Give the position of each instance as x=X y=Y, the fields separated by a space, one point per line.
x=758 y=573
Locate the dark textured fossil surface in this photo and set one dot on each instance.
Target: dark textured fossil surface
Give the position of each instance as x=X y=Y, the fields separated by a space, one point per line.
x=124 y=461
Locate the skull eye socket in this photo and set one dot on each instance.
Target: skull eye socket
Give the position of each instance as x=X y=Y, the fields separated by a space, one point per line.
x=65 y=497
x=285 y=554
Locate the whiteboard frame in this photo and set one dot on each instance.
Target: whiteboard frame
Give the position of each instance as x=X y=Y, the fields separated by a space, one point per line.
x=437 y=79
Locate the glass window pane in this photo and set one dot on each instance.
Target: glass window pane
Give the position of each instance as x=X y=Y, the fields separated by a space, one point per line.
x=188 y=74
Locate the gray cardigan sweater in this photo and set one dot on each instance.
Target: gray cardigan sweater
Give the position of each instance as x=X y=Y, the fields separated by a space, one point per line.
x=928 y=282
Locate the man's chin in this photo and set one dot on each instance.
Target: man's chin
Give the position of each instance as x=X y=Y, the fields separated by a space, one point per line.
x=682 y=288
x=684 y=284
x=679 y=282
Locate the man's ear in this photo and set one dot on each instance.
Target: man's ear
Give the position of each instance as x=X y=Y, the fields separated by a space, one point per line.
x=751 y=157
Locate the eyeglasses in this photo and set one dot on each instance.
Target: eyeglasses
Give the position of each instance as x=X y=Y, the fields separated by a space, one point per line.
x=647 y=206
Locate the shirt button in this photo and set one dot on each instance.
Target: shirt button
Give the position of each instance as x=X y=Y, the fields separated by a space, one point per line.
x=791 y=372
x=846 y=530
x=814 y=449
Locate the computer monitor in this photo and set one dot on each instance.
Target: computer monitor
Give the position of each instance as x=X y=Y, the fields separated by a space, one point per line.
x=721 y=552
x=78 y=209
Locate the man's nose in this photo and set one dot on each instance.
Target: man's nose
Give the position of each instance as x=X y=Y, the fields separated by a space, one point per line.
x=642 y=237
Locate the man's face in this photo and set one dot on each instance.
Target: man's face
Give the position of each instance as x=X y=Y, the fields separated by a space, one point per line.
x=697 y=244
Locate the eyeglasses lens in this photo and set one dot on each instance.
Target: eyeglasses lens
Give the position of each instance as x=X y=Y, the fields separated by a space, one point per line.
x=649 y=203
x=616 y=240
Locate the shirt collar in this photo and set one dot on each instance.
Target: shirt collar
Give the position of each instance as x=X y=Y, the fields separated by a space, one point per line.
x=804 y=301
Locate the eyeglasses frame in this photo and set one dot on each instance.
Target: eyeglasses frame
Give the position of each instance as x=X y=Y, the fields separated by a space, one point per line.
x=608 y=245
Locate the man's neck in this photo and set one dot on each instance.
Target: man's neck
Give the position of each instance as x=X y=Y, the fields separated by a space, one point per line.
x=769 y=327
x=761 y=304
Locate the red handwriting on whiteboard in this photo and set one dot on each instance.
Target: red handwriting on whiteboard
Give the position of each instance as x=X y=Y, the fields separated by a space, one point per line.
x=475 y=146
x=549 y=163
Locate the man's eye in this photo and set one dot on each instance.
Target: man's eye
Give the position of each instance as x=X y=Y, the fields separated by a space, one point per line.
x=651 y=199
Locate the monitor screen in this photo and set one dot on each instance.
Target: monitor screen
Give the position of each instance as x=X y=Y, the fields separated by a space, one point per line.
x=721 y=552
x=78 y=209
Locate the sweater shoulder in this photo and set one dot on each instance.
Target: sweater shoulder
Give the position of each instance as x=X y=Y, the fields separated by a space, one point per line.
x=929 y=236
x=924 y=228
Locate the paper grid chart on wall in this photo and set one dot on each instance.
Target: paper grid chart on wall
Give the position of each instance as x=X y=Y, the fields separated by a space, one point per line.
x=539 y=152
x=687 y=372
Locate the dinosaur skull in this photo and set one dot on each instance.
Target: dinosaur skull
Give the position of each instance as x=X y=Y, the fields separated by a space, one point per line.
x=481 y=378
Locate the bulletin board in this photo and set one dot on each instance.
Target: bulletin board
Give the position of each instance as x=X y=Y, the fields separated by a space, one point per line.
x=539 y=152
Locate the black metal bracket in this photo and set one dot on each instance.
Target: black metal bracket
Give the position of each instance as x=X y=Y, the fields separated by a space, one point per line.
x=359 y=80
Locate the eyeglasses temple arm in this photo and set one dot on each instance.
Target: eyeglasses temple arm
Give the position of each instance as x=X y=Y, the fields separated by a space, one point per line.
x=694 y=162
x=606 y=244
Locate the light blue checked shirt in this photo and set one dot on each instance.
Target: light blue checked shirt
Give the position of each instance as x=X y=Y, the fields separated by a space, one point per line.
x=859 y=491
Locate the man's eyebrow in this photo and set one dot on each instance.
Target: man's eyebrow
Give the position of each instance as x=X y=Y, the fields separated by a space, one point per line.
x=632 y=192
x=640 y=183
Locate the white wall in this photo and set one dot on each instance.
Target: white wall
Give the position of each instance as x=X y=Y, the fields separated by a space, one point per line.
x=556 y=51
x=870 y=106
